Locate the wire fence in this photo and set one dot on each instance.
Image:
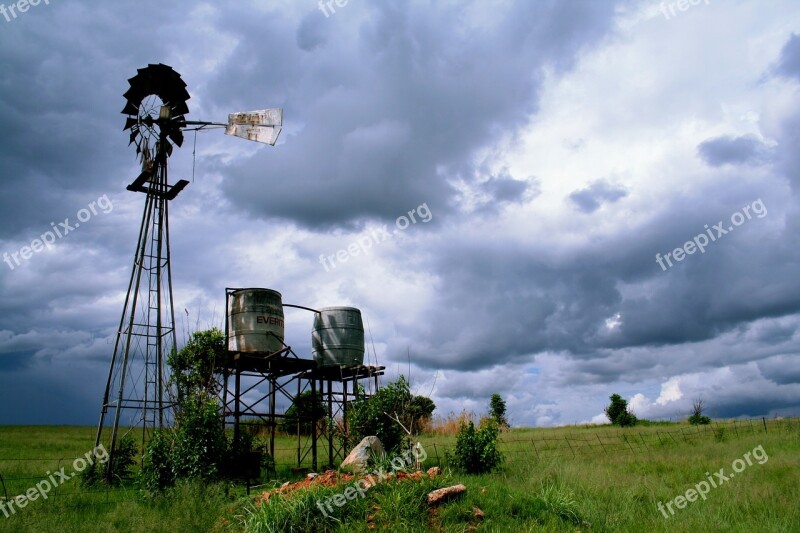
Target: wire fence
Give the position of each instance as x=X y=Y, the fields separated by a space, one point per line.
x=585 y=442
x=18 y=476
x=56 y=480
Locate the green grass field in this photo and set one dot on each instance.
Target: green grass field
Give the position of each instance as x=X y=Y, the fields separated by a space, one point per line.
x=563 y=479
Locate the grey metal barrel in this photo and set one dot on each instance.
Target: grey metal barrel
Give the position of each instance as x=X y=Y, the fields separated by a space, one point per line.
x=255 y=321
x=338 y=337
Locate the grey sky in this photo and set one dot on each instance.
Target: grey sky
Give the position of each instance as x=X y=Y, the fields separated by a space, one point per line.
x=560 y=145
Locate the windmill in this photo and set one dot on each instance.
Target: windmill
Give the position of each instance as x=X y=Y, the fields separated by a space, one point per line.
x=156 y=109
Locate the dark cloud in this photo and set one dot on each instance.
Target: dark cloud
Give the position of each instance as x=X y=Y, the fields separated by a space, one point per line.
x=387 y=105
x=392 y=111
x=524 y=301
x=312 y=32
x=598 y=193
x=782 y=369
x=789 y=62
x=13 y=361
x=725 y=150
x=506 y=189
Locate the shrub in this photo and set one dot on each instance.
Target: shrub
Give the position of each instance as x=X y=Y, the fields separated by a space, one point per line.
x=419 y=413
x=124 y=459
x=497 y=410
x=476 y=449
x=197 y=446
x=698 y=406
x=618 y=413
x=156 y=474
x=200 y=442
x=193 y=365
x=373 y=415
x=307 y=410
x=247 y=457
x=699 y=420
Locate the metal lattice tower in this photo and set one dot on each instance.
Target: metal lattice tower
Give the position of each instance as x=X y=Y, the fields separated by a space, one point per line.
x=146 y=334
x=137 y=380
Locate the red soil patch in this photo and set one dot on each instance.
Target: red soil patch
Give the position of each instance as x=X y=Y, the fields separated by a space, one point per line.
x=332 y=478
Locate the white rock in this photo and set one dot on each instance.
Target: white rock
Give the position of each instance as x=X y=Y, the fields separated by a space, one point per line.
x=359 y=457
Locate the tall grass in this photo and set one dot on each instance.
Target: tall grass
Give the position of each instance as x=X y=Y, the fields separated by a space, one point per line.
x=599 y=488
x=449 y=425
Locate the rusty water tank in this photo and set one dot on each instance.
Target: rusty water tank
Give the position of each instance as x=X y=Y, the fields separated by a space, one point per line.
x=338 y=337
x=255 y=321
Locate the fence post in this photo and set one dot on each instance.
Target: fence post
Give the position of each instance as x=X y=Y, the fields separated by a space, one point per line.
x=625 y=438
x=673 y=438
x=570 y=446
x=601 y=442
x=436 y=452
x=643 y=442
x=765 y=424
x=534 y=448
x=734 y=428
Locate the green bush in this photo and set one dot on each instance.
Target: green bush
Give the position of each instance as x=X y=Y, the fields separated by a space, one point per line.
x=307 y=410
x=246 y=457
x=476 y=449
x=197 y=446
x=618 y=413
x=699 y=420
x=497 y=410
x=419 y=413
x=124 y=459
x=373 y=416
x=200 y=441
x=193 y=365
x=157 y=474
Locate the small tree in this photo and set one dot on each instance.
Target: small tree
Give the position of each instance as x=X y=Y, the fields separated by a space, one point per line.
x=193 y=365
x=200 y=444
x=618 y=413
x=698 y=406
x=497 y=410
x=196 y=447
x=113 y=472
x=156 y=473
x=476 y=449
x=419 y=413
x=307 y=410
x=379 y=414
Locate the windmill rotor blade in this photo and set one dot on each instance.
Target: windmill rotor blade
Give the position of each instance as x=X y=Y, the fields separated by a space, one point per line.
x=177 y=137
